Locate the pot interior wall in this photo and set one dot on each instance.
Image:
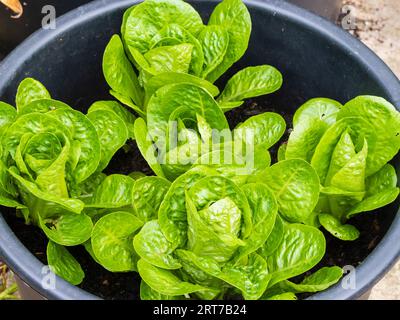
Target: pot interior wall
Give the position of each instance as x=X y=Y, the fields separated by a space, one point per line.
x=312 y=66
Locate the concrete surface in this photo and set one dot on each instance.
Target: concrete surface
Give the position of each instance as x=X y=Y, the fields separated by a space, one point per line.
x=377 y=24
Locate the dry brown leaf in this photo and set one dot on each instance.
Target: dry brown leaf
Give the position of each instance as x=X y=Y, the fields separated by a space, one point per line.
x=15 y=6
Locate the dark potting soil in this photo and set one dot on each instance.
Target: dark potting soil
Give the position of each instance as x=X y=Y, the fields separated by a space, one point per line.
x=108 y=285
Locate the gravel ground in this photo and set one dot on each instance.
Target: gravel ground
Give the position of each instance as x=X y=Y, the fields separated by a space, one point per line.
x=8 y=288
x=378 y=26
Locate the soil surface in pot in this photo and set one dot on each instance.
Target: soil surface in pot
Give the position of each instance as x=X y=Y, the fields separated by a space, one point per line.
x=107 y=285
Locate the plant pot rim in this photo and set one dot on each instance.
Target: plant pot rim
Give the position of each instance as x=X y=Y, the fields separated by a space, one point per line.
x=29 y=268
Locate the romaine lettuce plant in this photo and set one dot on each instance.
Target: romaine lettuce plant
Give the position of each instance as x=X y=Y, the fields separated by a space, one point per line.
x=218 y=220
x=52 y=158
x=177 y=59
x=349 y=147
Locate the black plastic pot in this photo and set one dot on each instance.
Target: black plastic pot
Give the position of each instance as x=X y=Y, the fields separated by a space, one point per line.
x=14 y=31
x=315 y=57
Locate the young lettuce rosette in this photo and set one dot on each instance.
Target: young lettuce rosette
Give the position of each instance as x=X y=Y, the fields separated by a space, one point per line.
x=215 y=239
x=350 y=147
x=51 y=162
x=177 y=48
